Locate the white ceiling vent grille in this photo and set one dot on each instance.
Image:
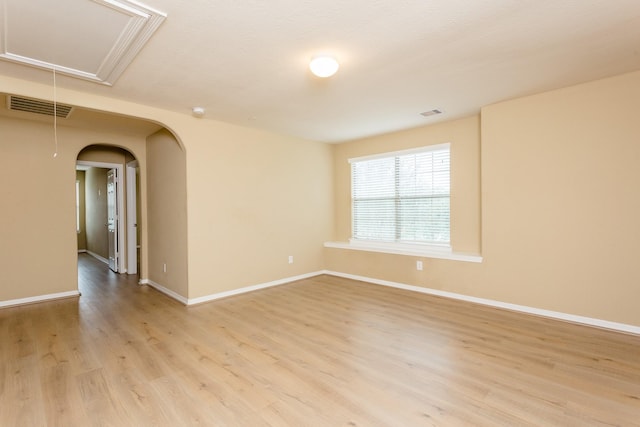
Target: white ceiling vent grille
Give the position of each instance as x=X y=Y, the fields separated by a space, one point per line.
x=18 y=103
x=433 y=112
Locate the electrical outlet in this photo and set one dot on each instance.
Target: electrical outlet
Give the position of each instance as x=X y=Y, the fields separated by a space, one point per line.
x=290 y=259
x=164 y=267
x=419 y=265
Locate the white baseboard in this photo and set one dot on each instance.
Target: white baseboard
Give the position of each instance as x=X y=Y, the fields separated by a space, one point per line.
x=598 y=323
x=39 y=298
x=164 y=290
x=212 y=297
x=98 y=257
x=605 y=324
x=82 y=251
x=252 y=288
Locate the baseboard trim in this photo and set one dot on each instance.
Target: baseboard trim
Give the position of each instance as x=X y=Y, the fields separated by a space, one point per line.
x=82 y=251
x=219 y=295
x=212 y=297
x=176 y=296
x=39 y=298
x=98 y=257
x=598 y=323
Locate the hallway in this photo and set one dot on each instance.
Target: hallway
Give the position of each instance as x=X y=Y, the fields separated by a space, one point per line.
x=97 y=283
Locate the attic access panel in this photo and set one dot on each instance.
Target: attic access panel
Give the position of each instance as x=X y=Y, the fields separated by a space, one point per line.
x=90 y=39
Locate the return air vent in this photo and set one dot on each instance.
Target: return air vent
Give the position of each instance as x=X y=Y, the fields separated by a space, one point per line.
x=433 y=112
x=18 y=103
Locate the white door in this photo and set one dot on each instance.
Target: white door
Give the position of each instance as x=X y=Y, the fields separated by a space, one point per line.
x=112 y=218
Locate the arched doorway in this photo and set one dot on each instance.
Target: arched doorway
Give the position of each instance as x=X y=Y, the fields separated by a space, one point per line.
x=107 y=206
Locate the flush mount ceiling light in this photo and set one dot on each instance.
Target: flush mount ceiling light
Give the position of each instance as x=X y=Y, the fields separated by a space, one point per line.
x=324 y=66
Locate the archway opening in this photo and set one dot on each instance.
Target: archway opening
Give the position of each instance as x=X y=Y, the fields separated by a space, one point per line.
x=108 y=206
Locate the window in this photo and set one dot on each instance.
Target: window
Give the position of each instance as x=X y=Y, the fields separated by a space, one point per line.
x=402 y=197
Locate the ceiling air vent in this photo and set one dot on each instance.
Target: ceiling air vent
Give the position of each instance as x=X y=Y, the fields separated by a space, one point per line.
x=431 y=112
x=18 y=103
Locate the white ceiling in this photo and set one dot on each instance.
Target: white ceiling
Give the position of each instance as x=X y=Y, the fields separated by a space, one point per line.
x=245 y=61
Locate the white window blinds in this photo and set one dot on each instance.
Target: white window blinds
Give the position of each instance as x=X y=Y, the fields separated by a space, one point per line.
x=402 y=197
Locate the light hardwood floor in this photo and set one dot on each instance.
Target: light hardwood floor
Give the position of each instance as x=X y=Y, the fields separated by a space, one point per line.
x=319 y=352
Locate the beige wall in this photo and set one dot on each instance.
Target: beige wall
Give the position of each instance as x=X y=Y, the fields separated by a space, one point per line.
x=561 y=199
x=560 y=205
x=454 y=276
x=167 y=212
x=96 y=211
x=464 y=136
x=241 y=226
x=38 y=226
x=82 y=234
x=254 y=198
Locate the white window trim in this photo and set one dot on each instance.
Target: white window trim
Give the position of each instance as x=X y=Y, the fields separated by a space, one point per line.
x=425 y=149
x=402 y=246
x=423 y=250
x=419 y=250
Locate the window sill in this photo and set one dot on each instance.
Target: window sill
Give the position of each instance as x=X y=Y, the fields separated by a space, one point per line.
x=438 y=252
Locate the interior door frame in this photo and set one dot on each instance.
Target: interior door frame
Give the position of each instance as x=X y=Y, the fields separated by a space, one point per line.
x=132 y=218
x=122 y=268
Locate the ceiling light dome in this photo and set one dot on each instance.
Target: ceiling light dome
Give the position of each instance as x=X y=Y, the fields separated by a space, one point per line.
x=324 y=65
